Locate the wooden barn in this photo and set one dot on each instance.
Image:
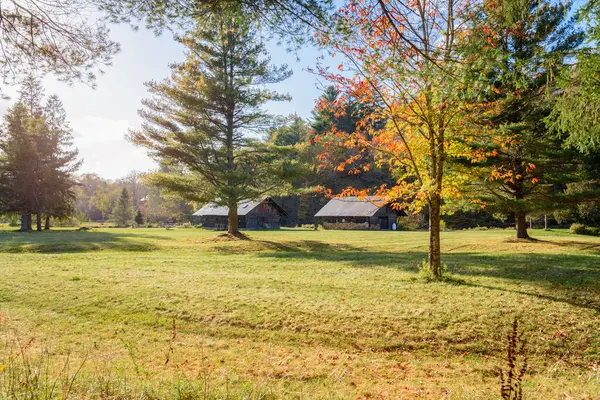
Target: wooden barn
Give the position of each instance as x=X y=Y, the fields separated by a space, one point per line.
x=255 y=214
x=371 y=212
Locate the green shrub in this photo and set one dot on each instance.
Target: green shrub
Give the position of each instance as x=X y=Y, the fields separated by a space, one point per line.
x=14 y=221
x=594 y=231
x=426 y=274
x=579 y=229
x=348 y=225
x=411 y=223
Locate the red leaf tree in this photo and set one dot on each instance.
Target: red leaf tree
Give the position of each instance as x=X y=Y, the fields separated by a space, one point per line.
x=403 y=60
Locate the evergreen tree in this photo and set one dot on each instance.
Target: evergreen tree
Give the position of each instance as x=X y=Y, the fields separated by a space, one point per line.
x=139 y=218
x=202 y=122
x=575 y=113
x=38 y=161
x=123 y=209
x=18 y=164
x=291 y=134
x=31 y=94
x=59 y=162
x=324 y=118
x=137 y=189
x=529 y=166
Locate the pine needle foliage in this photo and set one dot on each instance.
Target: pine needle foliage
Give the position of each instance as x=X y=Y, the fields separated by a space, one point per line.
x=205 y=124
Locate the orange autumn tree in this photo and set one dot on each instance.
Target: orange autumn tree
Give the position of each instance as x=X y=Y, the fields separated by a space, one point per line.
x=402 y=60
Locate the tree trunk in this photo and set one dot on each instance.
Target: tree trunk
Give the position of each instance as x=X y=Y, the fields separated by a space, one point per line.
x=435 y=258
x=545 y=222
x=23 y=223
x=521 y=226
x=232 y=219
x=38 y=221
x=232 y=222
x=47 y=224
x=29 y=222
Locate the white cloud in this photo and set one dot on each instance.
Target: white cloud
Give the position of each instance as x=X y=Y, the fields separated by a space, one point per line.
x=104 y=148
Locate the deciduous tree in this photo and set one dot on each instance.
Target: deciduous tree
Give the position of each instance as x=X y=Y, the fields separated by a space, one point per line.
x=403 y=61
x=58 y=36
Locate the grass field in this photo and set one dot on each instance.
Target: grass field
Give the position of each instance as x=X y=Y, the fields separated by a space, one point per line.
x=124 y=313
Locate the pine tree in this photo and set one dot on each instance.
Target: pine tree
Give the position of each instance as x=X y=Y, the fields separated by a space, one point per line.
x=203 y=121
x=139 y=218
x=123 y=209
x=38 y=161
x=31 y=95
x=529 y=166
x=296 y=131
x=575 y=113
x=18 y=164
x=59 y=162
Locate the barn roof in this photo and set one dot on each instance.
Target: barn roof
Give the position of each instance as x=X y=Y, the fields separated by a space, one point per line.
x=243 y=208
x=352 y=207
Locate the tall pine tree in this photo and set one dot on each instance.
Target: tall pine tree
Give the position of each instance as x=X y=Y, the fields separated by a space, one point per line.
x=123 y=210
x=575 y=114
x=59 y=160
x=204 y=121
x=521 y=46
x=17 y=164
x=37 y=160
x=31 y=95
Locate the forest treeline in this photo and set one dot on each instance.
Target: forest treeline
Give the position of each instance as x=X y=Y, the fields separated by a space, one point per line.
x=89 y=197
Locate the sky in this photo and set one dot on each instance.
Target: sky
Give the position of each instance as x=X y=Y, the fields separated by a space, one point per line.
x=101 y=117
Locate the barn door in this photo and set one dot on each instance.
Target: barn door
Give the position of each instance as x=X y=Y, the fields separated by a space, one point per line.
x=384 y=223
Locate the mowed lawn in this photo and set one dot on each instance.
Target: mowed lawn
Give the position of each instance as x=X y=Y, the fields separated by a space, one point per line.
x=295 y=314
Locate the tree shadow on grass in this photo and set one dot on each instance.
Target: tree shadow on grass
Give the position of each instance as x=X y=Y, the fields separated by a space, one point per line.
x=291 y=247
x=569 y=278
x=75 y=242
x=592 y=247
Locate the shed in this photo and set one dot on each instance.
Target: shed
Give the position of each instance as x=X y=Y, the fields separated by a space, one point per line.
x=371 y=212
x=252 y=214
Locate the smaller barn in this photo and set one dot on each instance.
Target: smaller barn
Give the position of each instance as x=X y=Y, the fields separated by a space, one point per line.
x=253 y=214
x=371 y=212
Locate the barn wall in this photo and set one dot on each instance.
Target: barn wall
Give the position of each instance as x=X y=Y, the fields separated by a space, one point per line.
x=215 y=222
x=265 y=216
x=220 y=222
x=371 y=223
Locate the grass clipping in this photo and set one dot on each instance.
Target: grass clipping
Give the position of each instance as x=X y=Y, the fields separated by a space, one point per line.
x=230 y=237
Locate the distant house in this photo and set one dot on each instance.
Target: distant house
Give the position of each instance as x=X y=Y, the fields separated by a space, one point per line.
x=255 y=214
x=371 y=212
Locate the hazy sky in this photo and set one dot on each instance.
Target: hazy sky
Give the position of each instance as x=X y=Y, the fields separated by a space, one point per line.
x=100 y=117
